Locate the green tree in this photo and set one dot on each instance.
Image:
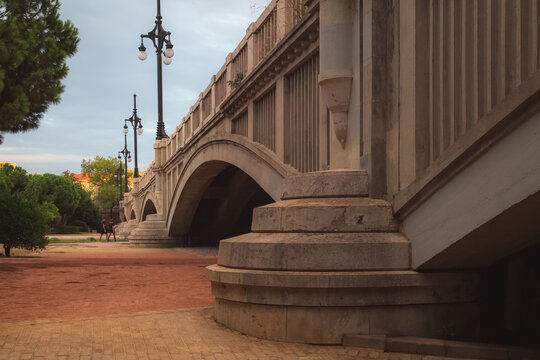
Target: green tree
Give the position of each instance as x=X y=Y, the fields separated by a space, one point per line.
x=23 y=221
x=57 y=190
x=101 y=172
x=86 y=211
x=34 y=45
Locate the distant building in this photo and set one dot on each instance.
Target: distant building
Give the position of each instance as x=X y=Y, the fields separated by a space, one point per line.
x=83 y=179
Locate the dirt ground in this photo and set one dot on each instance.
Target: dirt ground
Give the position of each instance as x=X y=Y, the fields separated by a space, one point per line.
x=72 y=281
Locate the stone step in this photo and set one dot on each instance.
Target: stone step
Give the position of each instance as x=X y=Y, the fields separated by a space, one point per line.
x=164 y=243
x=149 y=232
x=153 y=233
x=331 y=183
x=462 y=282
x=316 y=251
x=320 y=307
x=154 y=217
x=325 y=215
x=152 y=224
x=453 y=349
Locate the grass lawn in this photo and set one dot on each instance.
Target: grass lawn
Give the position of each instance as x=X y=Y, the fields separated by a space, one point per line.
x=54 y=240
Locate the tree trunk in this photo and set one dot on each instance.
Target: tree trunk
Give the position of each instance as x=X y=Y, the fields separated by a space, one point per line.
x=7 y=250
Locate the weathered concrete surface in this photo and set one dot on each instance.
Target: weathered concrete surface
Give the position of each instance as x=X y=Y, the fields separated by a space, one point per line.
x=305 y=251
x=312 y=270
x=485 y=189
x=335 y=183
x=327 y=325
x=325 y=215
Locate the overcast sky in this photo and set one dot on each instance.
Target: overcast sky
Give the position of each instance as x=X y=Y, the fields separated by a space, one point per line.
x=105 y=73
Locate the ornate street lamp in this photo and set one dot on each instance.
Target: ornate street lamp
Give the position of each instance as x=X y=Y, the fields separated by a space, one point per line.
x=127 y=158
x=159 y=36
x=136 y=122
x=118 y=177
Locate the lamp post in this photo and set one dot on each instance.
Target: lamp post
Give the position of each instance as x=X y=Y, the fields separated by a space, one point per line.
x=127 y=158
x=118 y=177
x=159 y=36
x=136 y=122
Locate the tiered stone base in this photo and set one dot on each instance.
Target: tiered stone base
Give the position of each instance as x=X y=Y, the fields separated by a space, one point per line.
x=153 y=233
x=326 y=262
x=125 y=228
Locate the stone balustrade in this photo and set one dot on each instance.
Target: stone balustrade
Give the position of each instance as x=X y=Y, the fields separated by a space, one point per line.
x=261 y=37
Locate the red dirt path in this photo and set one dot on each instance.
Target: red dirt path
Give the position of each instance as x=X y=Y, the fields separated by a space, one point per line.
x=67 y=282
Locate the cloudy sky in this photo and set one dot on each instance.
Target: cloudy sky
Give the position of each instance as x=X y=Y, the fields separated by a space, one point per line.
x=105 y=73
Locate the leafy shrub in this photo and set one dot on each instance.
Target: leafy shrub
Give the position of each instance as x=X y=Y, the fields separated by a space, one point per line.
x=81 y=224
x=237 y=80
x=67 y=229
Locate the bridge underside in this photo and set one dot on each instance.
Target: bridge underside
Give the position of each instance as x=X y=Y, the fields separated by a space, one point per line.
x=216 y=202
x=225 y=208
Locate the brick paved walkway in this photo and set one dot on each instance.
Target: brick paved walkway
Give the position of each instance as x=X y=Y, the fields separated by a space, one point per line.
x=66 y=284
x=179 y=334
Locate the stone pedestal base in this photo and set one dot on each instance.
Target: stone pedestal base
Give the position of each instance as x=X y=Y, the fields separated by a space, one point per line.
x=327 y=261
x=321 y=307
x=328 y=325
x=125 y=228
x=153 y=233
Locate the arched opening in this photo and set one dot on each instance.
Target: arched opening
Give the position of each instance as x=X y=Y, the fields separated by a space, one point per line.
x=224 y=207
x=149 y=208
x=132 y=215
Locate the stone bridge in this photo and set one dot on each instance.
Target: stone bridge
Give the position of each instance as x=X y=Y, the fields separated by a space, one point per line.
x=375 y=165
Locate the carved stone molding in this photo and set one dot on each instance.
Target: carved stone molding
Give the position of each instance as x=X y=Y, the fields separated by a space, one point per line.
x=336 y=93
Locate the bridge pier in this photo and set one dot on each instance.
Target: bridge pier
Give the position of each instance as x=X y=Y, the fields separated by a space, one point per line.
x=153 y=232
x=125 y=228
x=327 y=261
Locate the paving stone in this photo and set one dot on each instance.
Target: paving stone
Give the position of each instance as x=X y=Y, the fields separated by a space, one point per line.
x=179 y=334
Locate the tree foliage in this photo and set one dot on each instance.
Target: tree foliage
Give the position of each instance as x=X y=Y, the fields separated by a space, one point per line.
x=34 y=45
x=100 y=170
x=86 y=211
x=57 y=190
x=30 y=204
x=102 y=173
x=23 y=220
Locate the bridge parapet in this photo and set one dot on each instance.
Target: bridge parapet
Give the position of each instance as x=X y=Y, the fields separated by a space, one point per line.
x=260 y=42
x=142 y=182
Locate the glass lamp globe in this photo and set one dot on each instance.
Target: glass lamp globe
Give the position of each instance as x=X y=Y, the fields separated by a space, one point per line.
x=167 y=60
x=125 y=129
x=169 y=52
x=129 y=159
x=140 y=130
x=142 y=52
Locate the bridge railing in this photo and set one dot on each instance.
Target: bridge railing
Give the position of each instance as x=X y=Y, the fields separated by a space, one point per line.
x=478 y=61
x=261 y=37
x=143 y=181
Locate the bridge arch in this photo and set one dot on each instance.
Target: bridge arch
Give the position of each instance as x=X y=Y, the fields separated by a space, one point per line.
x=150 y=206
x=251 y=163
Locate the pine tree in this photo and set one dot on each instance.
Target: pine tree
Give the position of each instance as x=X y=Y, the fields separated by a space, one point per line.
x=34 y=45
